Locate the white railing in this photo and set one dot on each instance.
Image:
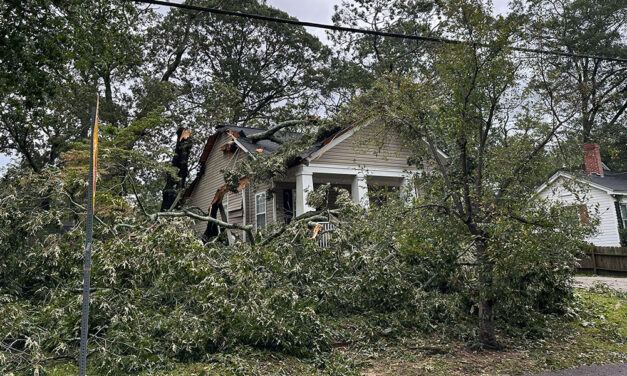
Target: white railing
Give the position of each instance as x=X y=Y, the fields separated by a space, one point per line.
x=325 y=233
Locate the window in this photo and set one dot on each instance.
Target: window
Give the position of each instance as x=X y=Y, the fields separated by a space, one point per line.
x=260 y=210
x=623 y=216
x=584 y=218
x=379 y=195
x=559 y=213
x=289 y=205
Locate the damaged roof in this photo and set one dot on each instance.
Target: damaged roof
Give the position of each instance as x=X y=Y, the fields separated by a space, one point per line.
x=269 y=146
x=241 y=133
x=254 y=148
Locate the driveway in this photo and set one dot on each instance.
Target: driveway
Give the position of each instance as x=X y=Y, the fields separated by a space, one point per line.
x=619 y=284
x=608 y=370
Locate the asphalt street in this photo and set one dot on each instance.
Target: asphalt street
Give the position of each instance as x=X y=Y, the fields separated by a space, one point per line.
x=605 y=370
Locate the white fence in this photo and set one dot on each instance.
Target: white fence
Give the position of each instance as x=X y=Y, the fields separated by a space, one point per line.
x=325 y=233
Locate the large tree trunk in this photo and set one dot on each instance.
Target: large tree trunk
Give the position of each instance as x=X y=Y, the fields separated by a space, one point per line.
x=174 y=185
x=487 y=334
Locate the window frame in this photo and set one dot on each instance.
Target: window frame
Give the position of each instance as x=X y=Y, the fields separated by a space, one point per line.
x=622 y=206
x=265 y=210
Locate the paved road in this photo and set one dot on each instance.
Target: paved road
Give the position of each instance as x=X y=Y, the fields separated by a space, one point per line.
x=607 y=370
x=615 y=283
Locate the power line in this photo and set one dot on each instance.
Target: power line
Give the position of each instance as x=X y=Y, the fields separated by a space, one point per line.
x=367 y=32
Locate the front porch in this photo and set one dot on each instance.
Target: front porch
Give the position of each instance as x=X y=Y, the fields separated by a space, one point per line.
x=291 y=193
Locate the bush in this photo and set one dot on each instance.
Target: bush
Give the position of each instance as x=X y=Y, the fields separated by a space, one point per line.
x=623 y=236
x=160 y=295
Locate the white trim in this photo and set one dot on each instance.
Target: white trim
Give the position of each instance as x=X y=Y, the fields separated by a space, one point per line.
x=354 y=170
x=239 y=145
x=304 y=185
x=359 y=190
x=623 y=213
x=265 y=211
x=408 y=189
x=274 y=210
x=244 y=204
x=559 y=174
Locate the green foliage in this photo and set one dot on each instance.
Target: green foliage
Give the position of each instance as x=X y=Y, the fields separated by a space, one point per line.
x=623 y=236
x=57 y=55
x=159 y=295
x=494 y=156
x=587 y=94
x=477 y=247
x=362 y=59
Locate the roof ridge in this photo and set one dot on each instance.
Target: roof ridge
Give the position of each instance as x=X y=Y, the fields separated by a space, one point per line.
x=240 y=127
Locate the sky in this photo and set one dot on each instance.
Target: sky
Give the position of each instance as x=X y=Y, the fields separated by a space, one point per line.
x=314 y=11
x=321 y=11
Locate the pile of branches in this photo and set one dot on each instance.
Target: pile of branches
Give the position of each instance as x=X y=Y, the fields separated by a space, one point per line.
x=160 y=295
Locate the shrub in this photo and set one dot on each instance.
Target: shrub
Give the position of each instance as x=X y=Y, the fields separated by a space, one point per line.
x=160 y=295
x=623 y=236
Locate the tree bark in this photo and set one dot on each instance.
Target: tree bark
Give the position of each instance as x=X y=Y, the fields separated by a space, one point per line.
x=174 y=184
x=108 y=90
x=487 y=335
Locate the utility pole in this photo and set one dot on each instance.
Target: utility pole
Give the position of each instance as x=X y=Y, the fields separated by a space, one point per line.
x=91 y=197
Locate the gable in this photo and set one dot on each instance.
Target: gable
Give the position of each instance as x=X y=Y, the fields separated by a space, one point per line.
x=597 y=200
x=368 y=146
x=561 y=177
x=207 y=184
x=567 y=189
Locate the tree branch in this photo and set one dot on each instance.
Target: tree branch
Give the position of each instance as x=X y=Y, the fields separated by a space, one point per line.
x=268 y=134
x=187 y=213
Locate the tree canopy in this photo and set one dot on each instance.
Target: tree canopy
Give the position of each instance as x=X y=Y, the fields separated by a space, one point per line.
x=476 y=255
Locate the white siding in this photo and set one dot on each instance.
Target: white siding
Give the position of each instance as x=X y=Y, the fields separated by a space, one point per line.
x=607 y=231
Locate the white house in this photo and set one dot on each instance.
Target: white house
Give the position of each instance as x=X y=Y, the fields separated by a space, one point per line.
x=596 y=187
x=357 y=158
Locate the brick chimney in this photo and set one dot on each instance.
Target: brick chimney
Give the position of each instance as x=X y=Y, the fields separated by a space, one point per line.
x=592 y=158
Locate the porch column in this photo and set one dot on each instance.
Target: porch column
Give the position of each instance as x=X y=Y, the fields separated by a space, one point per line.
x=304 y=185
x=359 y=189
x=408 y=191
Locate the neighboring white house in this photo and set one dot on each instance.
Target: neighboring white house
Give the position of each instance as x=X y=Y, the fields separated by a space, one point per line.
x=597 y=188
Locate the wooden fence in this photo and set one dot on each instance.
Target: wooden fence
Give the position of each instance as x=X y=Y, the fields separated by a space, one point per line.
x=605 y=260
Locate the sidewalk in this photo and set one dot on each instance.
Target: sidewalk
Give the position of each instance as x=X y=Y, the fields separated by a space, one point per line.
x=619 y=284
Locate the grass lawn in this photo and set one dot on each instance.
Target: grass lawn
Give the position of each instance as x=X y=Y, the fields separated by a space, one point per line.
x=598 y=336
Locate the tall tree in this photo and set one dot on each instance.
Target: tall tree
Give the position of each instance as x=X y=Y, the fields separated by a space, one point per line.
x=57 y=56
x=463 y=107
x=361 y=59
x=237 y=70
x=590 y=94
x=31 y=31
x=212 y=70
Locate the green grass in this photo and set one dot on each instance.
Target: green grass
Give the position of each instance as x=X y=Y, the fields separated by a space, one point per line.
x=598 y=335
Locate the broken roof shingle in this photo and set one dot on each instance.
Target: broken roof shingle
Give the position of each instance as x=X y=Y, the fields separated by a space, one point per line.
x=267 y=146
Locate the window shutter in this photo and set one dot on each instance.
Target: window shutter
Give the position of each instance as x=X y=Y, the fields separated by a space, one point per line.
x=583 y=215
